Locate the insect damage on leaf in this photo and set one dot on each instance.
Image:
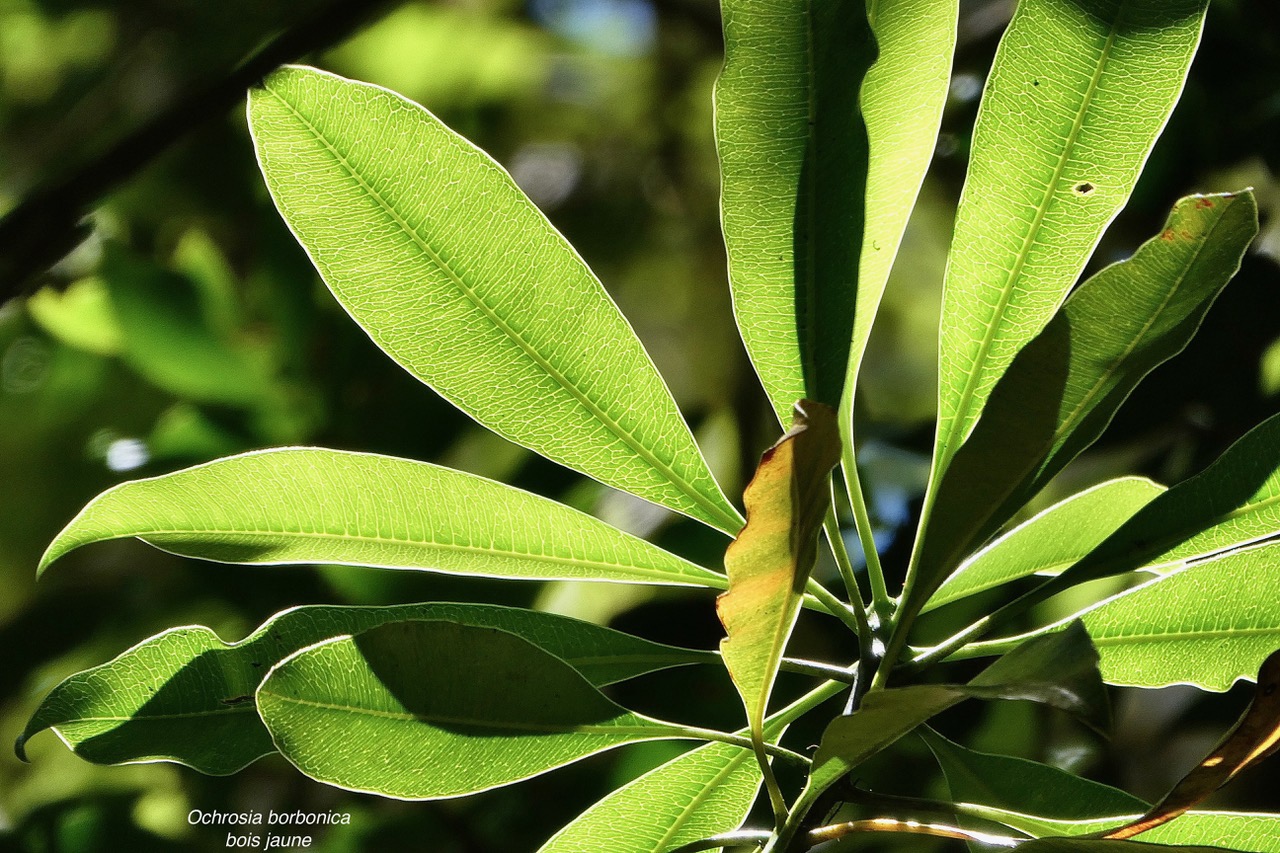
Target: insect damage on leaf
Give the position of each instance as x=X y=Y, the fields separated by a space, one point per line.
x=1255 y=736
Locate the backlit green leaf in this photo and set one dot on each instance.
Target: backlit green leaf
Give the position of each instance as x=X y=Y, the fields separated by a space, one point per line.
x=1210 y=624
x=1064 y=387
x=902 y=99
x=308 y=505
x=1233 y=503
x=1078 y=93
x=430 y=709
x=793 y=163
x=700 y=794
x=1040 y=800
x=1253 y=738
x=1052 y=540
x=187 y=696
x=436 y=253
x=1099 y=845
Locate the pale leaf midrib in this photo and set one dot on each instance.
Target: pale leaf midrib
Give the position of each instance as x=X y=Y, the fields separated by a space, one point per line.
x=1181 y=635
x=530 y=352
x=402 y=542
x=177 y=715
x=1171 y=541
x=970 y=387
x=628 y=729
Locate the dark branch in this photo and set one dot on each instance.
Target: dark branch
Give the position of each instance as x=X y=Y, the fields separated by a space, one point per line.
x=48 y=224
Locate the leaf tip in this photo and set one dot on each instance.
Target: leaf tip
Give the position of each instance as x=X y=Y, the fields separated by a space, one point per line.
x=52 y=553
x=20 y=746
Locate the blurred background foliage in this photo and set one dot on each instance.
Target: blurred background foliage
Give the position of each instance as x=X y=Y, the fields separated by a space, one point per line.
x=189 y=325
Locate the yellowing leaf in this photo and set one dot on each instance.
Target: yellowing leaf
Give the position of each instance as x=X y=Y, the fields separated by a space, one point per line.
x=769 y=563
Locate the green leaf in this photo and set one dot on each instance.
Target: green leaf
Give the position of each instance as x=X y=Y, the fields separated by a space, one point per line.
x=1099 y=845
x=769 y=563
x=1077 y=95
x=308 y=505
x=1061 y=674
x=793 y=164
x=1208 y=625
x=1026 y=789
x=430 y=709
x=186 y=695
x=1049 y=542
x=433 y=250
x=902 y=99
x=1040 y=800
x=1064 y=387
x=704 y=792
x=1233 y=503
x=1259 y=833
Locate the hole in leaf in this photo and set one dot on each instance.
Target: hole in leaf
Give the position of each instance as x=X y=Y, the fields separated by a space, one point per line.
x=1084 y=188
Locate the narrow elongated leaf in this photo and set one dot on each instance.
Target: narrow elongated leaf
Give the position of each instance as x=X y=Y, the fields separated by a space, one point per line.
x=1064 y=387
x=1062 y=674
x=769 y=563
x=1099 y=845
x=308 y=505
x=187 y=696
x=902 y=99
x=1051 y=541
x=1040 y=800
x=793 y=163
x=1208 y=624
x=1254 y=832
x=1078 y=93
x=1233 y=503
x=430 y=709
x=432 y=249
x=1254 y=737
x=702 y=793
x=1020 y=786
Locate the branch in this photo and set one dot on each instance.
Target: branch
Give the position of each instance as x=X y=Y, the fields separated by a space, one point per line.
x=48 y=223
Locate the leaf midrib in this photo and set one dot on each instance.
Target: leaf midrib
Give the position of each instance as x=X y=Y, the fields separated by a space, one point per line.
x=177 y=715
x=443 y=546
x=1042 y=210
x=627 y=730
x=1180 y=635
x=1171 y=541
x=726 y=521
